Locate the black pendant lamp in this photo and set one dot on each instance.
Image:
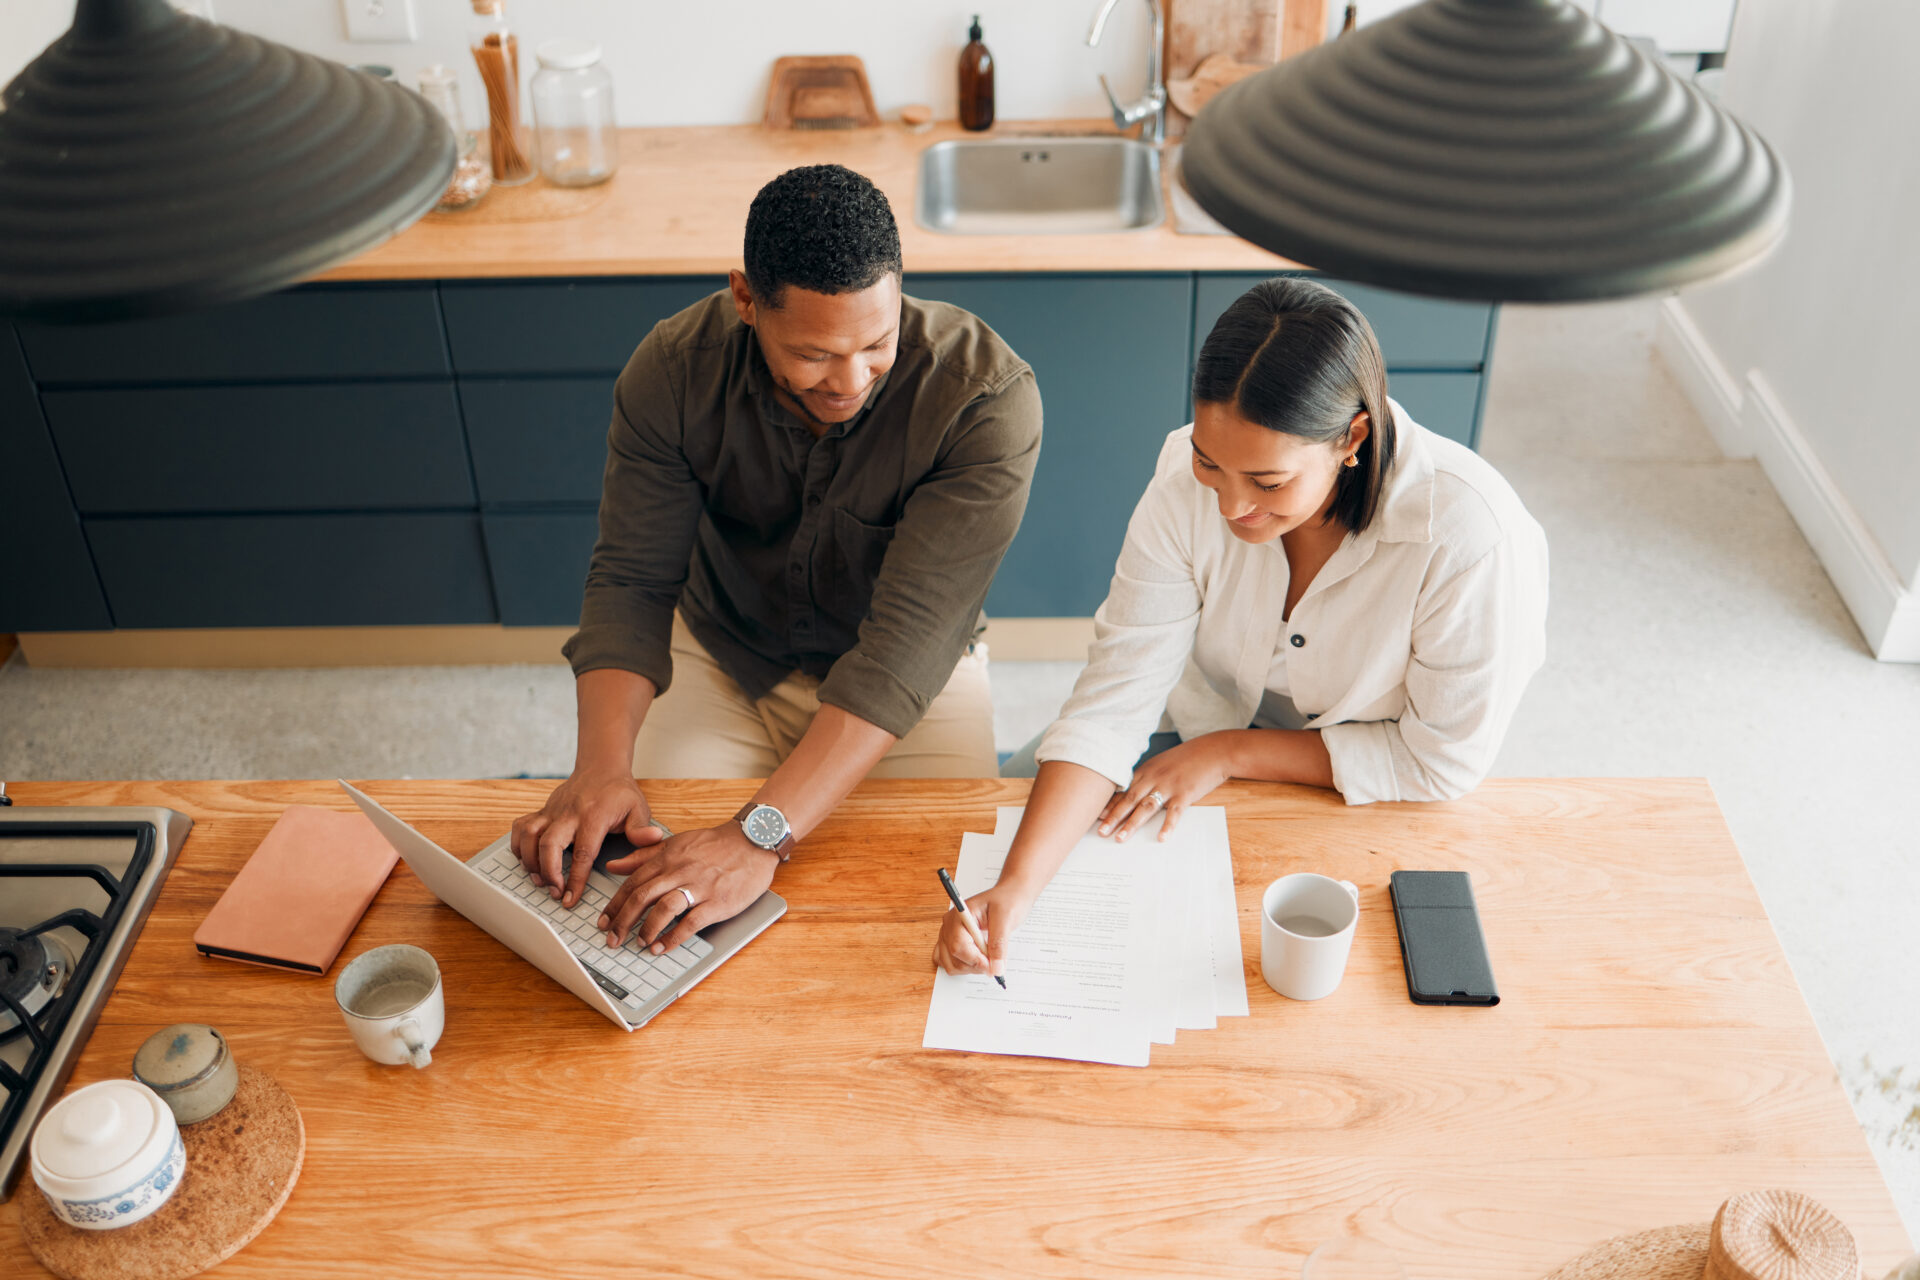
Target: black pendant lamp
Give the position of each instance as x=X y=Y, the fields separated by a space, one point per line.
x=151 y=162
x=1501 y=150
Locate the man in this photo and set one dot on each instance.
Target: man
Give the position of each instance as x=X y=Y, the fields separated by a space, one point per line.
x=822 y=475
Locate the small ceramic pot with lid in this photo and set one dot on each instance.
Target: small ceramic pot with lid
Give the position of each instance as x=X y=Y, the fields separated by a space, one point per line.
x=188 y=1065
x=108 y=1155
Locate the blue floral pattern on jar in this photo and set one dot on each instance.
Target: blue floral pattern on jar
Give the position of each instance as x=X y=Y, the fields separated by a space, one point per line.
x=141 y=1196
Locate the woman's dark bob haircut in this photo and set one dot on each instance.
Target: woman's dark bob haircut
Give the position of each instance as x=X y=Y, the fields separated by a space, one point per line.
x=1295 y=356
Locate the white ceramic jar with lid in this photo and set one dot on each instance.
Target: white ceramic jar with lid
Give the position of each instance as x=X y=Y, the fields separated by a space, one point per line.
x=108 y=1155
x=573 y=120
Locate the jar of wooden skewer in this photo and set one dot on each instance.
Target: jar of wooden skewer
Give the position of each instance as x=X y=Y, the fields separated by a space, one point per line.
x=496 y=50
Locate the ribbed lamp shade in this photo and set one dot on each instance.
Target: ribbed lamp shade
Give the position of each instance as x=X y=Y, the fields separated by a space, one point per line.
x=1504 y=150
x=151 y=162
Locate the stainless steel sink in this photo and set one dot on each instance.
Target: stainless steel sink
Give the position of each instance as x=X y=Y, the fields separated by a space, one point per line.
x=1038 y=186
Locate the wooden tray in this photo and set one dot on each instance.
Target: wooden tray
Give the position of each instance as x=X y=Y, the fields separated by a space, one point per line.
x=820 y=93
x=241 y=1166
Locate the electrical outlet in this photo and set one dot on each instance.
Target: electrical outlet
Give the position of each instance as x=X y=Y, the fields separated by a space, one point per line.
x=379 y=21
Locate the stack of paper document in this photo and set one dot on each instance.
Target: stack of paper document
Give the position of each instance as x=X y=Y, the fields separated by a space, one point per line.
x=1128 y=944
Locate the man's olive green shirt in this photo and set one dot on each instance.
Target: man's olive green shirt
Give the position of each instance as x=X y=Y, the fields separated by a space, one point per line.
x=861 y=557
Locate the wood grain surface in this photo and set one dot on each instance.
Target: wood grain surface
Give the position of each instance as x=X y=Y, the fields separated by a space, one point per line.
x=679 y=201
x=1651 y=1055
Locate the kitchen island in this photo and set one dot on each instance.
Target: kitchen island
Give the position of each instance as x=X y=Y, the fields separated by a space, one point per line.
x=417 y=440
x=1651 y=1055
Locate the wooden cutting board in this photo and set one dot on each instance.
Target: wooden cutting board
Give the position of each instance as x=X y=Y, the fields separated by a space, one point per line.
x=1215 y=72
x=1253 y=33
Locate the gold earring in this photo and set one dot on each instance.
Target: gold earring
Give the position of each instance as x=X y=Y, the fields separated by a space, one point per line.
x=1353 y=459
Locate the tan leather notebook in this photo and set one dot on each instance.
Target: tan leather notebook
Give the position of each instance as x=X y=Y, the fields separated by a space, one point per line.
x=297 y=900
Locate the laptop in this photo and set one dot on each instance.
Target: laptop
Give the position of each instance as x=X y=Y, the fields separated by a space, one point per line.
x=624 y=983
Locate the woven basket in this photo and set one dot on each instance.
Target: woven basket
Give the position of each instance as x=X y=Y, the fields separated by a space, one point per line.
x=1758 y=1235
x=1780 y=1235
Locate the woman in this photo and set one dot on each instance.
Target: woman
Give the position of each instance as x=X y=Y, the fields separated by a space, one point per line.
x=1369 y=597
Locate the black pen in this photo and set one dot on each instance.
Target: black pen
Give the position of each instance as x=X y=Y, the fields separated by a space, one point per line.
x=967 y=919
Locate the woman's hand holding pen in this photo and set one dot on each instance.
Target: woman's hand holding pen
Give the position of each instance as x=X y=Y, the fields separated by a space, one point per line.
x=998 y=912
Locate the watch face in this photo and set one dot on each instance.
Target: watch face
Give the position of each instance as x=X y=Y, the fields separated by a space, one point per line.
x=766 y=826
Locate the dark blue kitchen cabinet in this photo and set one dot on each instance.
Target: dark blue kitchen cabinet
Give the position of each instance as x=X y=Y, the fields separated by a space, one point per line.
x=1445 y=403
x=406 y=568
x=311 y=333
x=421 y=453
x=293 y=447
x=548 y=327
x=540 y=440
x=539 y=561
x=1109 y=352
x=47 y=582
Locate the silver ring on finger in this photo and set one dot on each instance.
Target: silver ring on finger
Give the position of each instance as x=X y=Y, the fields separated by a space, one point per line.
x=687 y=896
x=1155 y=799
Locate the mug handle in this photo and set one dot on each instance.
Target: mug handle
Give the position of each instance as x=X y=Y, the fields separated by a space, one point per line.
x=1349 y=886
x=416 y=1042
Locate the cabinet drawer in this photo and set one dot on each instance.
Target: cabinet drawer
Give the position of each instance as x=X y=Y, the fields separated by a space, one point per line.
x=1109 y=352
x=538 y=440
x=47 y=581
x=539 y=564
x=560 y=326
x=1414 y=332
x=327 y=446
x=321 y=331
x=1447 y=404
x=293 y=571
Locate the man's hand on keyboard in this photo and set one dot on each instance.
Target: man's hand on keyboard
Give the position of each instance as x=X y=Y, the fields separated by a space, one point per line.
x=720 y=871
x=580 y=812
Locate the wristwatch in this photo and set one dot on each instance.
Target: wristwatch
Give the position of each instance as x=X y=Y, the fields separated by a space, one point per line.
x=767 y=827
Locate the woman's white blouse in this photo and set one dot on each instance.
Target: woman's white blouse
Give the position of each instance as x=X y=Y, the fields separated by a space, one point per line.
x=1409 y=650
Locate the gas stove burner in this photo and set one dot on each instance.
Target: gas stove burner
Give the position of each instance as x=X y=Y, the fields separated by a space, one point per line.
x=33 y=970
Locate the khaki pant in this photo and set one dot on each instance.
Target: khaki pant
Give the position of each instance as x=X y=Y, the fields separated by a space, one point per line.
x=705 y=726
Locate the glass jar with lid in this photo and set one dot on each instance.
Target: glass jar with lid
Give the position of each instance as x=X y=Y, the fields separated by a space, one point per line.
x=473 y=170
x=573 y=114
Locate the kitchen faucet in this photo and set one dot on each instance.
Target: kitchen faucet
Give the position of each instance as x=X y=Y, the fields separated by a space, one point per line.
x=1153 y=107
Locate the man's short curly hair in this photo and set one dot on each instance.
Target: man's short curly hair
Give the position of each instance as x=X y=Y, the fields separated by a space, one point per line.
x=823 y=228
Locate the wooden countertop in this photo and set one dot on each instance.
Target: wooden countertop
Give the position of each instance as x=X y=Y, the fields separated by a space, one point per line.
x=1651 y=1055
x=678 y=206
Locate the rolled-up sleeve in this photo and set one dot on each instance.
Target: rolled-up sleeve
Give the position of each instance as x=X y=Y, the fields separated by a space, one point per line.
x=1478 y=637
x=1143 y=634
x=953 y=531
x=650 y=504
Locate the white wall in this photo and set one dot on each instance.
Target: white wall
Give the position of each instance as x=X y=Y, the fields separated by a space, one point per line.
x=1807 y=360
x=707 y=61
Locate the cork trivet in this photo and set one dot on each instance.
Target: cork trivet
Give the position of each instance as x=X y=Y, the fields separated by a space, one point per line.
x=538 y=201
x=241 y=1165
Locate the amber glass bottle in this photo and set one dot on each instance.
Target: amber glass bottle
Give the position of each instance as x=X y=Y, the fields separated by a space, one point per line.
x=976 y=81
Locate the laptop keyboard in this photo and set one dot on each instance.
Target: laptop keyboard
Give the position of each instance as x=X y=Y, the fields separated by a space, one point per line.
x=628 y=974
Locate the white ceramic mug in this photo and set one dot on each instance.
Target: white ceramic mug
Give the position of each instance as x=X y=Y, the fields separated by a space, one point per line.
x=393 y=1003
x=1306 y=930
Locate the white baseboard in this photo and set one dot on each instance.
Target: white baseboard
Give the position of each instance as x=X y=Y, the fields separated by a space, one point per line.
x=1747 y=420
x=1704 y=379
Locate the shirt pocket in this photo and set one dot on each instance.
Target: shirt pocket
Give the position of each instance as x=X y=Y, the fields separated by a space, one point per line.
x=855 y=552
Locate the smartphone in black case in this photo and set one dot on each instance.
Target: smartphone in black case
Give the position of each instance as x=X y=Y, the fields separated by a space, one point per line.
x=1440 y=940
